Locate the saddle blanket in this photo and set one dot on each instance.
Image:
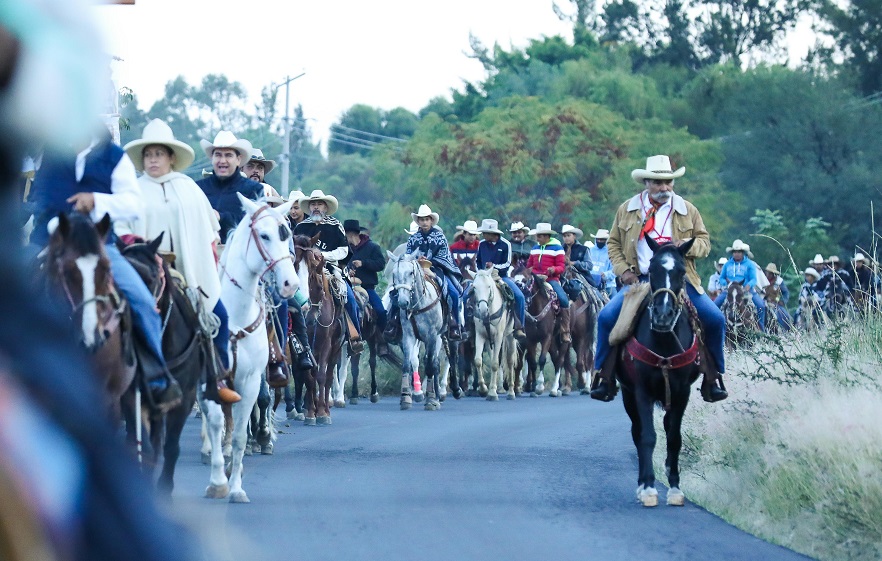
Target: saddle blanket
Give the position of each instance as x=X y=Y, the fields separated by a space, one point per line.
x=631 y=306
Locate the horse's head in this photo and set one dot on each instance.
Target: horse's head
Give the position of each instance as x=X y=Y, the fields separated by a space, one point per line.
x=467 y=267
x=667 y=278
x=269 y=235
x=144 y=258
x=772 y=293
x=77 y=265
x=406 y=278
x=482 y=289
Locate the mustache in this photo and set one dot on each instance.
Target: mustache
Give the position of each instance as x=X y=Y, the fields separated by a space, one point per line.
x=662 y=197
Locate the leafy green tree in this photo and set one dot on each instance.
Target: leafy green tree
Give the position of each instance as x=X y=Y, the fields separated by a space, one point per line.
x=857 y=32
x=356 y=129
x=399 y=123
x=440 y=106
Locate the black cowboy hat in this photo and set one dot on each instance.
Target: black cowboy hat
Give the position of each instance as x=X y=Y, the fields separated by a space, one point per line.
x=351 y=226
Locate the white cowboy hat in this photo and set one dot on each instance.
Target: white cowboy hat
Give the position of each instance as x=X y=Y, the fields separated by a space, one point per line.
x=859 y=257
x=542 y=228
x=657 y=167
x=818 y=260
x=470 y=227
x=738 y=245
x=158 y=132
x=588 y=243
x=296 y=196
x=425 y=211
x=833 y=259
x=518 y=226
x=490 y=226
x=570 y=229
x=812 y=271
x=602 y=233
x=722 y=261
x=272 y=199
x=319 y=195
x=226 y=139
x=257 y=156
x=413 y=229
x=772 y=268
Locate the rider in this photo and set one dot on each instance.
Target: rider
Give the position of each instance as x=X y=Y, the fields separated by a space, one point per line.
x=834 y=266
x=257 y=168
x=335 y=250
x=578 y=255
x=773 y=275
x=295 y=215
x=429 y=242
x=465 y=245
x=494 y=252
x=177 y=209
x=668 y=218
x=713 y=283
x=603 y=268
x=864 y=279
x=226 y=153
x=367 y=260
x=553 y=266
x=98 y=178
x=739 y=268
x=520 y=245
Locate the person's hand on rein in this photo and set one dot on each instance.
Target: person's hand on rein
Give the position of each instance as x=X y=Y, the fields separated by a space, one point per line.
x=629 y=277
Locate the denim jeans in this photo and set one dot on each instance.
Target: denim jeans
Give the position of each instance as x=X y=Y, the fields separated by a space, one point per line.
x=351 y=308
x=712 y=321
x=222 y=339
x=561 y=294
x=377 y=304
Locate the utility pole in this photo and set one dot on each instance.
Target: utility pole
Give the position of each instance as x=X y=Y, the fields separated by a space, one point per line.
x=286 y=147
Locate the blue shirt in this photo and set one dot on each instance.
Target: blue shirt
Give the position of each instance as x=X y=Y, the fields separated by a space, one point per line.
x=498 y=253
x=602 y=265
x=743 y=272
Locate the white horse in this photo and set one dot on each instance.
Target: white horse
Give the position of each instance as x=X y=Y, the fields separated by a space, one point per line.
x=258 y=245
x=492 y=323
x=421 y=320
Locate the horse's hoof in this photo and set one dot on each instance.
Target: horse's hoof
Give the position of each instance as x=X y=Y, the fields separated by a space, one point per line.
x=267 y=449
x=375 y=398
x=309 y=421
x=540 y=388
x=340 y=404
x=323 y=420
x=442 y=397
x=206 y=459
x=565 y=391
x=483 y=391
x=510 y=397
x=250 y=449
x=585 y=391
x=492 y=397
x=649 y=497
x=299 y=417
x=239 y=497
x=406 y=402
x=676 y=497
x=292 y=415
x=418 y=397
x=432 y=405
x=534 y=394
x=353 y=401
x=458 y=393
x=217 y=491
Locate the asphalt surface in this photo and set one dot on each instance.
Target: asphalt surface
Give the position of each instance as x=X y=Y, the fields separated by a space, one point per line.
x=537 y=478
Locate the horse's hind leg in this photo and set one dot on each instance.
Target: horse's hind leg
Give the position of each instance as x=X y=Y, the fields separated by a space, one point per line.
x=174 y=425
x=228 y=431
x=338 y=380
x=453 y=362
x=213 y=423
x=673 y=422
x=372 y=364
x=263 y=436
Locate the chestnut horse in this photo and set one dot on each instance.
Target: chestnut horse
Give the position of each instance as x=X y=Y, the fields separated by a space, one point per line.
x=741 y=318
x=542 y=336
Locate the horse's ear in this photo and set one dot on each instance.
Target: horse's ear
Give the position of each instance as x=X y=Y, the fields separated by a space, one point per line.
x=686 y=246
x=315 y=238
x=63 y=225
x=154 y=245
x=652 y=244
x=390 y=254
x=249 y=205
x=103 y=227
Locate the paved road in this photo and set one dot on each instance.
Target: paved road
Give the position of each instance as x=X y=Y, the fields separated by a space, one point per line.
x=532 y=479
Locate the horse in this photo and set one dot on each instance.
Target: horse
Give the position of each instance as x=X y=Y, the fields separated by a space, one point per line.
x=258 y=245
x=838 y=302
x=542 y=336
x=77 y=266
x=585 y=304
x=810 y=314
x=658 y=366
x=741 y=316
x=325 y=328
x=422 y=320
x=187 y=353
x=772 y=296
x=494 y=324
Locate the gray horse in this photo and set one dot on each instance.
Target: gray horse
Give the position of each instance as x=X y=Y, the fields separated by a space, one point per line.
x=422 y=319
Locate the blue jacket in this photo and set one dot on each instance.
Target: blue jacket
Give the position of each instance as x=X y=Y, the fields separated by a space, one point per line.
x=743 y=272
x=498 y=253
x=602 y=265
x=221 y=193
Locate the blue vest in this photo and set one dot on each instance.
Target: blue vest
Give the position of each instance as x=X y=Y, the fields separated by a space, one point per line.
x=56 y=181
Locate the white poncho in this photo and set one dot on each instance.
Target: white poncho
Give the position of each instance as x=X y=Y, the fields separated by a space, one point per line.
x=174 y=204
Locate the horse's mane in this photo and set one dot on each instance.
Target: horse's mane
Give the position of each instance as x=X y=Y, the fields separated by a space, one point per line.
x=301 y=240
x=82 y=235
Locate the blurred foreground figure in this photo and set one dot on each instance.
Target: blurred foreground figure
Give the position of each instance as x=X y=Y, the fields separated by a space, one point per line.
x=68 y=487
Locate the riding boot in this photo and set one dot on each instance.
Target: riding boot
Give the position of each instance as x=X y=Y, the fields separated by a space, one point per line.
x=392 y=332
x=163 y=391
x=454 y=331
x=300 y=340
x=603 y=385
x=565 y=325
x=217 y=388
x=712 y=387
x=356 y=343
x=519 y=330
x=276 y=369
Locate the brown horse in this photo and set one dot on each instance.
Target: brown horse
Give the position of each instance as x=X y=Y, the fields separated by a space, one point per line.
x=741 y=317
x=542 y=336
x=324 y=325
x=77 y=267
x=585 y=304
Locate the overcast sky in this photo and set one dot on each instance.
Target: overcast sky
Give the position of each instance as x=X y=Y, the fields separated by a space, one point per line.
x=385 y=53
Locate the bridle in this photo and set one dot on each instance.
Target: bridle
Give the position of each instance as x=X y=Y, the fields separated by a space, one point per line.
x=261 y=248
x=413 y=308
x=317 y=272
x=675 y=298
x=113 y=301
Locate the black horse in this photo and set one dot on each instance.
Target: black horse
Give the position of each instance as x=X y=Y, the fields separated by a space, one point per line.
x=658 y=365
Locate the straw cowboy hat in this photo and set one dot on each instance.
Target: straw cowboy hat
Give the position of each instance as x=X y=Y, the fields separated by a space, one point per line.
x=158 y=132
x=721 y=261
x=818 y=260
x=426 y=211
x=489 y=226
x=812 y=271
x=518 y=227
x=570 y=229
x=226 y=139
x=657 y=167
x=833 y=259
x=739 y=245
x=470 y=227
x=296 y=196
x=542 y=228
x=413 y=229
x=772 y=268
x=602 y=234
x=859 y=257
x=319 y=195
x=257 y=156
x=274 y=200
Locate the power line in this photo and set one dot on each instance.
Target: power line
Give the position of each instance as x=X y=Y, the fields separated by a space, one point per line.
x=370 y=133
x=332 y=139
x=355 y=138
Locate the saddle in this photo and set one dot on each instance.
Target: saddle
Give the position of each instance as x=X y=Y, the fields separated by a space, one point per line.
x=633 y=304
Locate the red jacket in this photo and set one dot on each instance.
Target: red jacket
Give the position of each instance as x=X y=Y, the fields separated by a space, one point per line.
x=550 y=255
x=460 y=250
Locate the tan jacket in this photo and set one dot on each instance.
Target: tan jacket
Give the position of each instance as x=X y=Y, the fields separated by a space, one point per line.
x=686 y=223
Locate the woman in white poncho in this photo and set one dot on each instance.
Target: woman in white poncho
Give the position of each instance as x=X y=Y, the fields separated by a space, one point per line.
x=176 y=206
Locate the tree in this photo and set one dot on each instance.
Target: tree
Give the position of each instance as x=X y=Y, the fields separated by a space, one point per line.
x=357 y=130
x=857 y=32
x=400 y=123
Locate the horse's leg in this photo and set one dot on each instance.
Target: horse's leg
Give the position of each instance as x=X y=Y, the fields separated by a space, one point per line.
x=174 y=426
x=495 y=350
x=532 y=366
x=338 y=379
x=559 y=355
x=228 y=430
x=453 y=360
x=372 y=364
x=433 y=365
x=213 y=423
x=673 y=423
x=264 y=434
x=478 y=363
x=309 y=398
x=356 y=371
x=645 y=447
x=540 y=371
x=407 y=367
x=248 y=388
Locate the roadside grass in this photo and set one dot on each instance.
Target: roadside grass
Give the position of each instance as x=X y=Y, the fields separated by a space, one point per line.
x=794 y=455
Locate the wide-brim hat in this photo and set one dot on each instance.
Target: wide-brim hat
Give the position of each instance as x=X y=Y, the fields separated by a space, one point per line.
x=518 y=227
x=542 y=228
x=226 y=139
x=319 y=195
x=657 y=167
x=722 y=261
x=817 y=260
x=738 y=245
x=469 y=226
x=490 y=226
x=772 y=268
x=424 y=211
x=351 y=226
x=273 y=199
x=602 y=233
x=158 y=132
x=812 y=271
x=859 y=257
x=570 y=229
x=257 y=156
x=413 y=229
x=296 y=196
x=833 y=259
